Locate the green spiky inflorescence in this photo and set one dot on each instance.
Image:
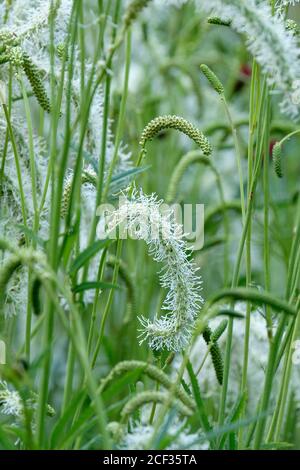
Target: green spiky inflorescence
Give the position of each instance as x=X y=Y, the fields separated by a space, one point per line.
x=175 y=122
x=217 y=333
x=15 y=56
x=212 y=78
x=34 y=76
x=218 y=21
x=215 y=352
x=133 y=9
x=277 y=153
x=35 y=296
x=11 y=52
x=6 y=272
x=62 y=52
x=88 y=177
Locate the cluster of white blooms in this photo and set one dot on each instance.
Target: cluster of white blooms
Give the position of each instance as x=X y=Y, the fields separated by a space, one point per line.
x=10 y=401
x=140 y=435
x=274 y=48
x=146 y=218
x=29 y=21
x=11 y=404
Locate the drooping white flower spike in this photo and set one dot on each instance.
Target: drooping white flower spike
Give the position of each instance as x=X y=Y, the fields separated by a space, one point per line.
x=273 y=47
x=145 y=218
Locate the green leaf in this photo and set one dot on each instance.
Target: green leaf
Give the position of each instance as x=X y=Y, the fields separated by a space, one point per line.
x=230 y=313
x=233 y=417
x=88 y=253
x=197 y=395
x=69 y=413
x=118 y=384
x=94 y=285
x=255 y=296
x=277 y=446
x=121 y=180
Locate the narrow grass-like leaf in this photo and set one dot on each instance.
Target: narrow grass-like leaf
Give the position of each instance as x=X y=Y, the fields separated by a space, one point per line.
x=199 y=401
x=93 y=285
x=87 y=254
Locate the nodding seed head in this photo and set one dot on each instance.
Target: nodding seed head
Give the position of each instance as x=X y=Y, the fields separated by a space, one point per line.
x=212 y=78
x=87 y=176
x=178 y=123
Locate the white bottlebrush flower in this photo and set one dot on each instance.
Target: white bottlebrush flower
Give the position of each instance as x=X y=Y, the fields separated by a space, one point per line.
x=142 y=216
x=274 y=48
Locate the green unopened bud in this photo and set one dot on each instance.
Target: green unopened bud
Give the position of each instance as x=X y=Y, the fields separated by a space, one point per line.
x=175 y=122
x=133 y=9
x=277 y=153
x=62 y=52
x=34 y=76
x=218 y=21
x=212 y=78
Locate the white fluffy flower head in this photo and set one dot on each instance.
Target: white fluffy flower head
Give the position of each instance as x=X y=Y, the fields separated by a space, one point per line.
x=146 y=218
x=10 y=401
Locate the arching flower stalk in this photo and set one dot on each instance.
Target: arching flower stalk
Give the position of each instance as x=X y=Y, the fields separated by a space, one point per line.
x=273 y=47
x=145 y=218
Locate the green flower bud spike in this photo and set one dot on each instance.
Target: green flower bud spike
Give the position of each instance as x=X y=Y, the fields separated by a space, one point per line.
x=175 y=122
x=215 y=352
x=212 y=78
x=33 y=74
x=277 y=153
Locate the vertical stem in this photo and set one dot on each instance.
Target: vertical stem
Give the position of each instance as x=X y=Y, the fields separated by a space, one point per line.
x=18 y=166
